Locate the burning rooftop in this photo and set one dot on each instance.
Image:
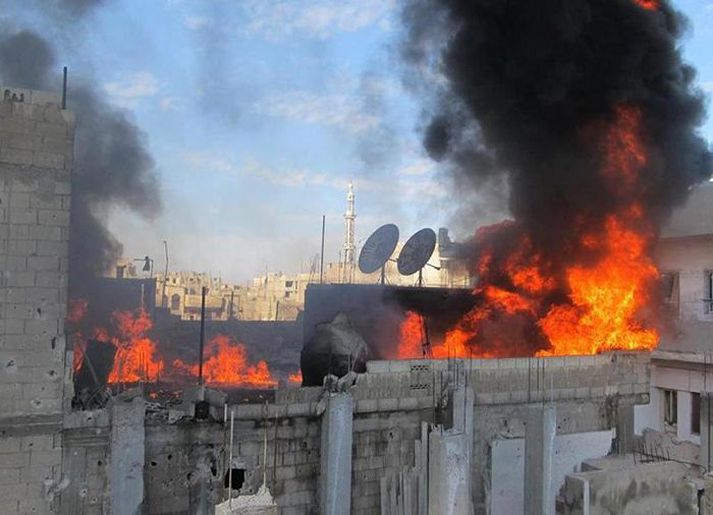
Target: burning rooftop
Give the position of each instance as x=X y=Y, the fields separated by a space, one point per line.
x=413 y=399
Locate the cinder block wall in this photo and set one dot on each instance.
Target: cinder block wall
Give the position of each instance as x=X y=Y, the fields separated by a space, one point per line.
x=36 y=159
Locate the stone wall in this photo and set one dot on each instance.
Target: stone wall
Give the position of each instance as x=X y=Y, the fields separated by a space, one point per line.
x=36 y=159
x=185 y=460
x=663 y=488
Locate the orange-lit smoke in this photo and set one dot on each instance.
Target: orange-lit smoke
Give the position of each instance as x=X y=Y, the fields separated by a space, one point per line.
x=651 y=5
x=295 y=378
x=591 y=305
x=226 y=364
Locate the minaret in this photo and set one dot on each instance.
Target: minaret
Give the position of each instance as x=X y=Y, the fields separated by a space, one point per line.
x=349 y=247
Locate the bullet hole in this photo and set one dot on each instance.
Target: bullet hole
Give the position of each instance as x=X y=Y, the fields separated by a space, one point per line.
x=52 y=373
x=53 y=343
x=153 y=463
x=37 y=403
x=169 y=457
x=189 y=476
x=11 y=364
x=100 y=463
x=39 y=313
x=238 y=478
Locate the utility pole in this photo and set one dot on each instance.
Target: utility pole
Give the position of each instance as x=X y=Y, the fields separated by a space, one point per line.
x=164 y=300
x=321 y=254
x=204 y=291
x=349 y=247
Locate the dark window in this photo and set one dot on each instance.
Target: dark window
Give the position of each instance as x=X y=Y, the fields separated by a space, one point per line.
x=175 y=302
x=708 y=292
x=696 y=413
x=237 y=480
x=670 y=407
x=288 y=284
x=670 y=290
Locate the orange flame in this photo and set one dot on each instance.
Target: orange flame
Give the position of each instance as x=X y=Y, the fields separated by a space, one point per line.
x=589 y=305
x=295 y=378
x=136 y=355
x=226 y=364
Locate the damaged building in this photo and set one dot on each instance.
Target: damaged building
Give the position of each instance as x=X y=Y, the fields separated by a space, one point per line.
x=627 y=432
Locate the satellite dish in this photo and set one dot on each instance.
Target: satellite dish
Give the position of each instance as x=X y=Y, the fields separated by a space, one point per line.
x=416 y=252
x=378 y=248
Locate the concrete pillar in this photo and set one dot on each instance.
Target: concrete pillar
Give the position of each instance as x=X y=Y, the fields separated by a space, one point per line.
x=335 y=480
x=126 y=464
x=449 y=459
x=706 y=456
x=625 y=428
x=539 y=446
x=449 y=475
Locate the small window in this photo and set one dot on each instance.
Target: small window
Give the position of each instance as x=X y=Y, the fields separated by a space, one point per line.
x=708 y=292
x=288 y=284
x=670 y=412
x=696 y=413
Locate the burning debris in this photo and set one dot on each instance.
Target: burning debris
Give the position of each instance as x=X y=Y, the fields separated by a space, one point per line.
x=590 y=111
x=137 y=357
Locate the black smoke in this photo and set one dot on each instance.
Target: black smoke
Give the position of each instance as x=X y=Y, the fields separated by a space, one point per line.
x=112 y=165
x=525 y=81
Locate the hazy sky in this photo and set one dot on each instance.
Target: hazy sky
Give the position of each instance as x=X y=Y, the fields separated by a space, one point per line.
x=259 y=112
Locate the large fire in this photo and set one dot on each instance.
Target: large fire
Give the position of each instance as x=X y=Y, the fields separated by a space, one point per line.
x=226 y=364
x=590 y=305
x=138 y=358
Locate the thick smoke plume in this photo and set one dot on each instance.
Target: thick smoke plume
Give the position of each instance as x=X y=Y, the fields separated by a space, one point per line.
x=526 y=81
x=112 y=164
x=542 y=92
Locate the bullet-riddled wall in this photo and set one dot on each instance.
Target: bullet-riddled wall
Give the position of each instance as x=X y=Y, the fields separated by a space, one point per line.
x=36 y=159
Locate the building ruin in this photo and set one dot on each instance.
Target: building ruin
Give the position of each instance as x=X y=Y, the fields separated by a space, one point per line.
x=487 y=436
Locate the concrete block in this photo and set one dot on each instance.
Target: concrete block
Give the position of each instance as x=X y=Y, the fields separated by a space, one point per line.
x=51 y=130
x=44 y=442
x=46 y=232
x=53 y=217
x=8 y=444
x=366 y=406
x=387 y=404
x=16 y=156
x=20 y=247
x=14 y=460
x=16 y=263
x=24 y=216
x=9 y=476
x=51 y=279
x=20 y=279
x=43 y=263
x=45 y=458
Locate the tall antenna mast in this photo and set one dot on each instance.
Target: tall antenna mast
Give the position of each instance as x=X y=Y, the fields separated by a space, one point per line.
x=349 y=246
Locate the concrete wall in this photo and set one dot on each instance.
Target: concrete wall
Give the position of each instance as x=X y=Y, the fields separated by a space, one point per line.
x=184 y=463
x=36 y=159
x=660 y=488
x=508 y=465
